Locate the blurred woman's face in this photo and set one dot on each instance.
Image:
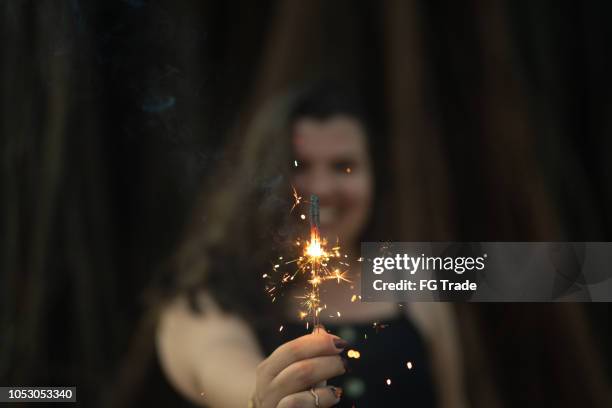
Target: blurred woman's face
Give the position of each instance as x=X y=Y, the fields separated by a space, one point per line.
x=334 y=163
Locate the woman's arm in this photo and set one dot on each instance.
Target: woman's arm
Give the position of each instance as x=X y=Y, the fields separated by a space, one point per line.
x=438 y=325
x=213 y=359
x=210 y=357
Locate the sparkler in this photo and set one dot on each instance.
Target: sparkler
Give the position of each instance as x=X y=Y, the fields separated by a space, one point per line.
x=314 y=253
x=316 y=261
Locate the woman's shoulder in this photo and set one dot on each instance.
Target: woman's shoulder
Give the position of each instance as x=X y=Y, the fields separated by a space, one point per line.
x=180 y=324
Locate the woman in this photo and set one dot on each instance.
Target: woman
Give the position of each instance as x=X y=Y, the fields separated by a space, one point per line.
x=218 y=337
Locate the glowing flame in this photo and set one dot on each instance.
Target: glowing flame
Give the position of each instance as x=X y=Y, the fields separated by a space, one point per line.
x=314 y=249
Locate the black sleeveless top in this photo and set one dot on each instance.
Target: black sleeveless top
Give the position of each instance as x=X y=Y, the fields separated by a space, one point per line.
x=392 y=368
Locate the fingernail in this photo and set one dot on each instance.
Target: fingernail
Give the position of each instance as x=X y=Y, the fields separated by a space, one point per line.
x=340 y=344
x=337 y=391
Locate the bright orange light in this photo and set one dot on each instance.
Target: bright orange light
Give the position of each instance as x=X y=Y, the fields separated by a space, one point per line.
x=314 y=249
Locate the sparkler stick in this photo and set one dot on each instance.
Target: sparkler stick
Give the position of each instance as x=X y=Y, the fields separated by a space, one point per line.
x=314 y=212
x=315 y=254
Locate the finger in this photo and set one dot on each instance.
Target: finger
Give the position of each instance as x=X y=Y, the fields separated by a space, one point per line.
x=328 y=397
x=319 y=343
x=317 y=328
x=303 y=374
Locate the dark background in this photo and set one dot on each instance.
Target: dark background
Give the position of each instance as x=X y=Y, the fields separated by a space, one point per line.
x=114 y=112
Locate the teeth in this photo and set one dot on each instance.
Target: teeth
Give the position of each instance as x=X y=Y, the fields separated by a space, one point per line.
x=327 y=215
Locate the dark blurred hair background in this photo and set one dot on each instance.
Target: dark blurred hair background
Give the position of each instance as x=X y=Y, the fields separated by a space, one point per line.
x=114 y=112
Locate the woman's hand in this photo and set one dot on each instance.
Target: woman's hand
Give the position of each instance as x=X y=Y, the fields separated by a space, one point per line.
x=286 y=378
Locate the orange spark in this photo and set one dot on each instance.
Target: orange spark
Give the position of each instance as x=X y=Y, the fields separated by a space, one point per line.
x=297 y=199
